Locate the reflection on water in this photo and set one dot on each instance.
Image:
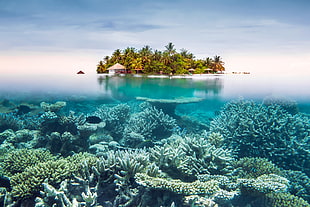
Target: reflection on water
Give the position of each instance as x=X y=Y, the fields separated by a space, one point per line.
x=160 y=88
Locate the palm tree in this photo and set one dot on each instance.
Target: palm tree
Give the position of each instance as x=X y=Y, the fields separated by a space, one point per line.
x=218 y=64
x=170 y=49
x=101 y=68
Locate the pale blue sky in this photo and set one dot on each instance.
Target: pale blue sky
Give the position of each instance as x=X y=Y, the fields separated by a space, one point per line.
x=57 y=33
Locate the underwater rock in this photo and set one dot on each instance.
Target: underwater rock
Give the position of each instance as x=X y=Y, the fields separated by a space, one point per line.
x=24 y=138
x=93 y=120
x=55 y=107
x=168 y=106
x=23 y=109
x=6 y=106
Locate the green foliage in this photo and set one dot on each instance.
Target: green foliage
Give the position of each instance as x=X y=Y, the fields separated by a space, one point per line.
x=166 y=62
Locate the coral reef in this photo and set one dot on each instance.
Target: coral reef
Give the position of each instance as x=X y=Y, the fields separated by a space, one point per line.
x=55 y=107
x=115 y=118
x=8 y=121
x=256 y=130
x=263 y=184
x=146 y=157
x=299 y=184
x=23 y=138
x=149 y=124
x=185 y=158
x=285 y=103
x=283 y=199
x=177 y=186
x=253 y=167
x=18 y=160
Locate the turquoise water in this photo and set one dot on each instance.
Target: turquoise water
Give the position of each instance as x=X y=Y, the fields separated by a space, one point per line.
x=150 y=139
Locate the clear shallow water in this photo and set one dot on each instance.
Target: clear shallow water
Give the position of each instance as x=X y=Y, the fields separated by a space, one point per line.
x=249 y=131
x=108 y=89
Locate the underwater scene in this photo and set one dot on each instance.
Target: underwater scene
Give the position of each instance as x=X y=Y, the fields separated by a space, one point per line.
x=137 y=141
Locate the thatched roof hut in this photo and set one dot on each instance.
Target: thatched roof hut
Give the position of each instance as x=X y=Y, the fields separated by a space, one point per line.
x=117 y=68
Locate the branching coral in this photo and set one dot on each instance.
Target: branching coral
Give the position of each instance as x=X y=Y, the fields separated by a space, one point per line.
x=252 y=167
x=284 y=199
x=17 y=161
x=148 y=124
x=299 y=184
x=29 y=182
x=115 y=118
x=187 y=157
x=256 y=130
x=8 y=121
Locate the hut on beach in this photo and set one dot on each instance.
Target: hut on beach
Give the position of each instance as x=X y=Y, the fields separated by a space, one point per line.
x=117 y=68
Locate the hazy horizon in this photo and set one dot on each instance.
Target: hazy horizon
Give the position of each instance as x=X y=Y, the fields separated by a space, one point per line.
x=49 y=37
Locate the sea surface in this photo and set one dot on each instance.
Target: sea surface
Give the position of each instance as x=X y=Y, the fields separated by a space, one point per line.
x=229 y=125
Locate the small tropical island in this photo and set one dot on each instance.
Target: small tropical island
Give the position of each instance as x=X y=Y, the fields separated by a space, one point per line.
x=149 y=61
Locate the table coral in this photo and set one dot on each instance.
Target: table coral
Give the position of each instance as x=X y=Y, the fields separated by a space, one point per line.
x=177 y=186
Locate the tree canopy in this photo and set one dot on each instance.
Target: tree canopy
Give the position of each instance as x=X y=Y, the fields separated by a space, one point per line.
x=161 y=62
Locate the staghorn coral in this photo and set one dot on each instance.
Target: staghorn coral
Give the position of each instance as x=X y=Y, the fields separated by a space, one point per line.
x=187 y=157
x=18 y=160
x=216 y=139
x=299 y=184
x=256 y=130
x=150 y=123
x=115 y=118
x=253 y=167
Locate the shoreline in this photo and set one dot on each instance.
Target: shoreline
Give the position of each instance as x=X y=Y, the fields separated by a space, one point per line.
x=193 y=76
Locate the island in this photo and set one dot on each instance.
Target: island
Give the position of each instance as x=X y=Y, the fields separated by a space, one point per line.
x=149 y=61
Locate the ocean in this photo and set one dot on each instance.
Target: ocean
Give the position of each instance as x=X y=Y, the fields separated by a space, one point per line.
x=135 y=140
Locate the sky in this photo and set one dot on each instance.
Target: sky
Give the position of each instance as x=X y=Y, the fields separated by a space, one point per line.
x=64 y=36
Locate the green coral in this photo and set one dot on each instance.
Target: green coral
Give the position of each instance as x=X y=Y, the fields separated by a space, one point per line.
x=177 y=186
x=253 y=167
x=30 y=181
x=284 y=200
x=17 y=161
